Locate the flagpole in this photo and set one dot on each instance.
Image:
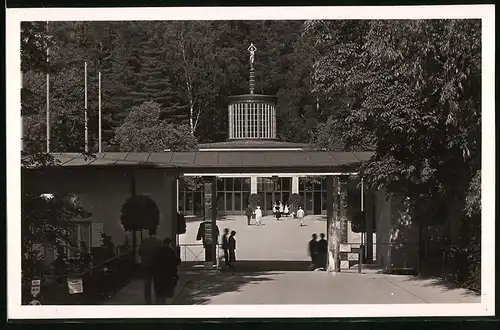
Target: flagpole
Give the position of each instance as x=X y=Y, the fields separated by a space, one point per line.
x=48 y=97
x=100 y=122
x=86 y=120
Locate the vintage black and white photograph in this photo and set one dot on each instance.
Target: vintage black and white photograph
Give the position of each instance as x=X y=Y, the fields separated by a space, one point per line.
x=198 y=161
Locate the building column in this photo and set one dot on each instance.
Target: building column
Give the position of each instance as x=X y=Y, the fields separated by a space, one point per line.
x=369 y=223
x=332 y=232
x=173 y=182
x=253 y=184
x=295 y=184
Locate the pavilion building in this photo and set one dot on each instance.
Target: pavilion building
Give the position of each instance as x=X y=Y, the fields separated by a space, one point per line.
x=252 y=130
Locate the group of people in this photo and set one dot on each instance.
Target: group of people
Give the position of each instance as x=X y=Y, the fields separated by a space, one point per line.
x=159 y=263
x=318 y=250
x=229 y=247
x=278 y=210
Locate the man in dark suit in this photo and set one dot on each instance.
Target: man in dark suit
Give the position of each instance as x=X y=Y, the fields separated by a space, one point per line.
x=205 y=234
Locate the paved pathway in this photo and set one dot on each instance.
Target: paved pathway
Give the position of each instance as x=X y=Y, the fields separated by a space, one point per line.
x=291 y=287
x=276 y=240
x=274 y=282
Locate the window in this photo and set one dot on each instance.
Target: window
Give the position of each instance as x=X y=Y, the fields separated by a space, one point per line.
x=80 y=232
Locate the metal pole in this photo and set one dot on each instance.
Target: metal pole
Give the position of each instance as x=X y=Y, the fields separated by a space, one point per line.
x=22 y=118
x=48 y=97
x=100 y=122
x=86 y=120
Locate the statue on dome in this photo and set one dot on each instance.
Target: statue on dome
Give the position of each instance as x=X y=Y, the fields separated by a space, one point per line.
x=252 y=49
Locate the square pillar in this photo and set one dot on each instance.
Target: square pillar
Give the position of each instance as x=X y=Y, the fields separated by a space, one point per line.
x=295 y=185
x=173 y=183
x=369 y=223
x=253 y=184
x=215 y=237
x=332 y=227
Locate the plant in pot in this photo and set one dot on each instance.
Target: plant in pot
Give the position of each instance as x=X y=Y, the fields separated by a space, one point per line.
x=295 y=201
x=139 y=213
x=254 y=201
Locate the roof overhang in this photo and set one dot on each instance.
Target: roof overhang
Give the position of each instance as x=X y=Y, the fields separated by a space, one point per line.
x=212 y=162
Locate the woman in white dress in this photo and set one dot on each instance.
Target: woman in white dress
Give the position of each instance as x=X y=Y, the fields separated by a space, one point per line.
x=258 y=216
x=286 y=210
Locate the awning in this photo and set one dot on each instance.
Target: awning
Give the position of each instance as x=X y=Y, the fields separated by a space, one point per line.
x=226 y=161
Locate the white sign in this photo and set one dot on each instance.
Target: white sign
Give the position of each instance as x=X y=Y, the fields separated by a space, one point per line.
x=345 y=247
x=35 y=287
x=35 y=302
x=75 y=286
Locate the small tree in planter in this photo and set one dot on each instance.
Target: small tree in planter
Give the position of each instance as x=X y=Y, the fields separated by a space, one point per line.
x=139 y=213
x=295 y=201
x=254 y=201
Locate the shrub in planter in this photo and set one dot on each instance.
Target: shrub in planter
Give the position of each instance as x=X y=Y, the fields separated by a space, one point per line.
x=254 y=201
x=139 y=213
x=295 y=201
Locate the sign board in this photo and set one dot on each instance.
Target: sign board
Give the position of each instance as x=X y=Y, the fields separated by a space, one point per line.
x=75 y=286
x=208 y=233
x=35 y=302
x=345 y=248
x=35 y=287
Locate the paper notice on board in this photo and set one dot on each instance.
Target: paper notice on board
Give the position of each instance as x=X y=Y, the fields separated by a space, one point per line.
x=75 y=286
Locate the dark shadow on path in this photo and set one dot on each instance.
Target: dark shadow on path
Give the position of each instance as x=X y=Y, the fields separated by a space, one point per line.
x=200 y=290
x=442 y=284
x=251 y=266
x=248 y=266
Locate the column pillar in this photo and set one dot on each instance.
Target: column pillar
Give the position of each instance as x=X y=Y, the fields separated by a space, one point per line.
x=332 y=232
x=253 y=184
x=173 y=184
x=215 y=237
x=369 y=223
x=295 y=184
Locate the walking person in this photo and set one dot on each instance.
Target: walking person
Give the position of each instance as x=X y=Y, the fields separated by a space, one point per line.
x=286 y=210
x=232 y=250
x=249 y=213
x=278 y=212
x=164 y=271
x=225 y=246
x=146 y=251
x=313 y=251
x=300 y=215
x=258 y=216
x=322 y=251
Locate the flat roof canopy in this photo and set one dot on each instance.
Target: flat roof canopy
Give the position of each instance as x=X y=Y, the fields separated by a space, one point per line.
x=296 y=161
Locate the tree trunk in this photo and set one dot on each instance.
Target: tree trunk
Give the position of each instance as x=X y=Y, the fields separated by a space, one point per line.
x=191 y=121
x=134 y=246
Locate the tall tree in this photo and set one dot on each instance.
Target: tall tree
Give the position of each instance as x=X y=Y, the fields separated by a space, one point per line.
x=416 y=99
x=143 y=130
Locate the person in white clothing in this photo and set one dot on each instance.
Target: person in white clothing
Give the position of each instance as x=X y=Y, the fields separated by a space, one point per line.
x=300 y=215
x=286 y=210
x=258 y=216
x=281 y=208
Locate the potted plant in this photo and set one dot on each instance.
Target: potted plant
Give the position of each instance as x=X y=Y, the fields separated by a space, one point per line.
x=295 y=201
x=254 y=201
x=139 y=213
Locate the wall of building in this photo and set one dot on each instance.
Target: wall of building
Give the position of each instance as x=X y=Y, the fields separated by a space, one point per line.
x=397 y=236
x=103 y=193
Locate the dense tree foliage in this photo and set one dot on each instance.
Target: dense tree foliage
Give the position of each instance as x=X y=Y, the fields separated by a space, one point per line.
x=409 y=90
x=188 y=68
x=143 y=130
